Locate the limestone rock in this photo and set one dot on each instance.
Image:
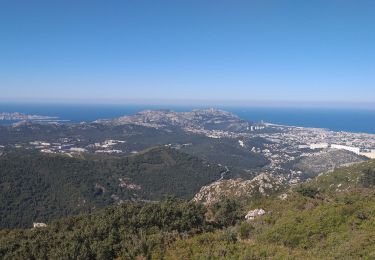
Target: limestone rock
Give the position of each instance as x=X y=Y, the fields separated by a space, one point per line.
x=252 y=214
x=262 y=184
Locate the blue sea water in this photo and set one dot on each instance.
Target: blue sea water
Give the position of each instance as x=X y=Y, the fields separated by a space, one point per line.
x=351 y=120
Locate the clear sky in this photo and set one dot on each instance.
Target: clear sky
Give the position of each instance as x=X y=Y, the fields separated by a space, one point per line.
x=245 y=52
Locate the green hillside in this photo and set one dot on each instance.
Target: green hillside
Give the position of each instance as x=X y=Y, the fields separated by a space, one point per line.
x=39 y=187
x=330 y=217
x=227 y=152
x=317 y=220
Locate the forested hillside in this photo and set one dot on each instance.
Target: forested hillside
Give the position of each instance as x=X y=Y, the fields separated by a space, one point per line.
x=40 y=187
x=330 y=217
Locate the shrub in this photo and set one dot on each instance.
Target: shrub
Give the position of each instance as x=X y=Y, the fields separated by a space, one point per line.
x=245 y=230
x=229 y=236
x=227 y=212
x=307 y=191
x=368 y=177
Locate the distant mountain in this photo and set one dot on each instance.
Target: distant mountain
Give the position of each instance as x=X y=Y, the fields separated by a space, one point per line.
x=39 y=187
x=209 y=119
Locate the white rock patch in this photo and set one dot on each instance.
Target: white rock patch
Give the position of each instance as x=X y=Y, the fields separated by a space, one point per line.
x=252 y=214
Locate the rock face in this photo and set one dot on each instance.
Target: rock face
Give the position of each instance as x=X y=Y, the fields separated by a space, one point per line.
x=209 y=119
x=262 y=185
x=252 y=214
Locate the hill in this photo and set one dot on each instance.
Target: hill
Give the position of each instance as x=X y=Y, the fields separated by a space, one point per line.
x=326 y=160
x=209 y=119
x=315 y=220
x=127 y=231
x=133 y=137
x=227 y=152
x=40 y=187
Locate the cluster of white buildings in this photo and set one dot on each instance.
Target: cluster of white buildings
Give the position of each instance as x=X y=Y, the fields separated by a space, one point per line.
x=255 y=128
x=368 y=153
x=59 y=147
x=107 y=146
x=108 y=143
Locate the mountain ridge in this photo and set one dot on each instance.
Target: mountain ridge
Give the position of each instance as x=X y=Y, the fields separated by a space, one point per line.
x=210 y=119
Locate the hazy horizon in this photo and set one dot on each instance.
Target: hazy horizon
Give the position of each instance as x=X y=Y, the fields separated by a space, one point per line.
x=199 y=103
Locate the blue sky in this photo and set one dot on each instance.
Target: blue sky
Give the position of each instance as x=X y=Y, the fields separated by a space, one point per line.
x=243 y=52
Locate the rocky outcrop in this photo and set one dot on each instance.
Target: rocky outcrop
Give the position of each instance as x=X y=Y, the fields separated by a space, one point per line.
x=283 y=196
x=263 y=185
x=252 y=214
x=39 y=225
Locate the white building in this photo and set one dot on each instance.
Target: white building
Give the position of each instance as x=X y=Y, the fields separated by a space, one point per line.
x=347 y=148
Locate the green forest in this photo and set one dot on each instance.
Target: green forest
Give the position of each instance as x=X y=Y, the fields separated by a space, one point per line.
x=37 y=187
x=329 y=217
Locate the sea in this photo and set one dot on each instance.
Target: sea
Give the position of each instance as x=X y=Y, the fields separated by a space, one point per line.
x=337 y=119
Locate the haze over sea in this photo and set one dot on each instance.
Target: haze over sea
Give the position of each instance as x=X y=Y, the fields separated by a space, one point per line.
x=340 y=119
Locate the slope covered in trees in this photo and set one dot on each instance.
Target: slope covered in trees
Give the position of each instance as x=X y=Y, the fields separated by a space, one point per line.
x=38 y=187
x=126 y=231
x=330 y=217
x=223 y=151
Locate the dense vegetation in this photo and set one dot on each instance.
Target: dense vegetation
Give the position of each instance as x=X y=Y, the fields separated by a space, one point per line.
x=37 y=187
x=228 y=152
x=330 y=217
x=368 y=177
x=138 y=138
x=126 y=231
